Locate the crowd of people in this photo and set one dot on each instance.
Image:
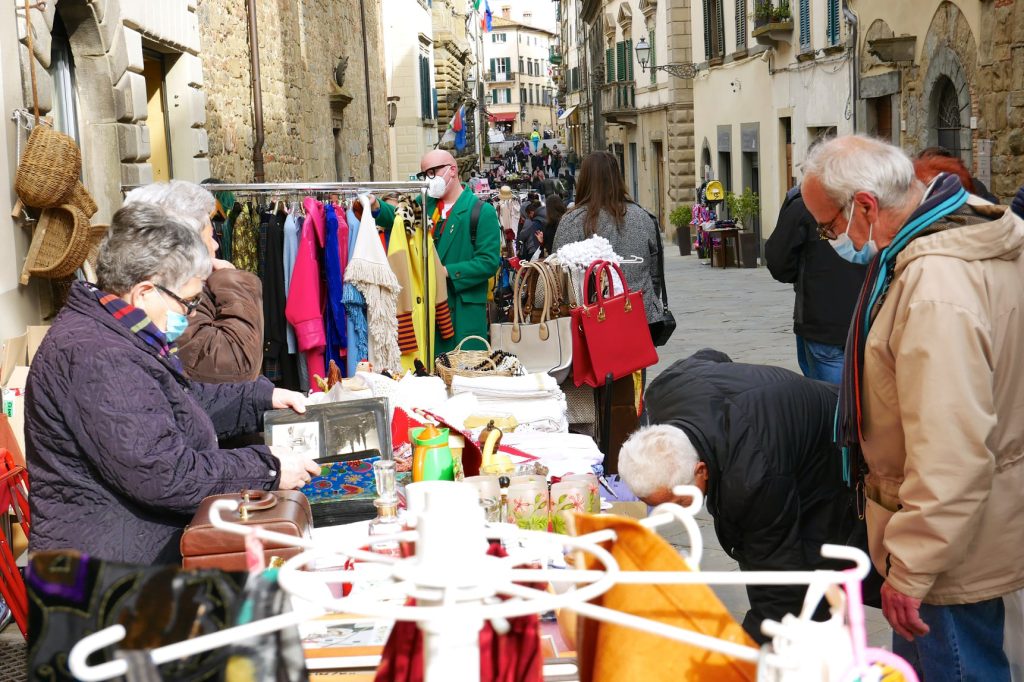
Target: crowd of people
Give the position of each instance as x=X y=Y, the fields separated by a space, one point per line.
x=904 y=437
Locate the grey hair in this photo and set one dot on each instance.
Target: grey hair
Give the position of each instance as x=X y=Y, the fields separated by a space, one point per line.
x=186 y=200
x=858 y=163
x=146 y=242
x=655 y=457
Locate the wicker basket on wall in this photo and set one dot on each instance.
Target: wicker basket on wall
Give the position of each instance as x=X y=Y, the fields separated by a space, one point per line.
x=49 y=169
x=80 y=198
x=65 y=242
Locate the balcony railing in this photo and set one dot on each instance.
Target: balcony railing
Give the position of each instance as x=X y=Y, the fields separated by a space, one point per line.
x=555 y=55
x=771 y=12
x=500 y=76
x=618 y=97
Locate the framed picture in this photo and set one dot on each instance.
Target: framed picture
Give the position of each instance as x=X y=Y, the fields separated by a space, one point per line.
x=333 y=430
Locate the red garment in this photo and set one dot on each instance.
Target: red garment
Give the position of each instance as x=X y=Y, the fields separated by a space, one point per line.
x=304 y=309
x=513 y=657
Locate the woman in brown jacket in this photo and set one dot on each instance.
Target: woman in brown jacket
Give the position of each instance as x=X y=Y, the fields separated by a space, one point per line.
x=224 y=339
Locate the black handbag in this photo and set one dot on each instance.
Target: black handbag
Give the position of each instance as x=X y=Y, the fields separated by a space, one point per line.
x=662 y=330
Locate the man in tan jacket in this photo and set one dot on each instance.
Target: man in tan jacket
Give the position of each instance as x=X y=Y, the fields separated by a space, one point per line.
x=932 y=406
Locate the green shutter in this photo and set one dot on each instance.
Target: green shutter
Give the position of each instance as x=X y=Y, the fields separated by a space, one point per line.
x=805 y=25
x=652 y=61
x=721 y=29
x=741 y=24
x=707 y=29
x=609 y=65
x=620 y=58
x=508 y=95
x=629 y=58
x=492 y=69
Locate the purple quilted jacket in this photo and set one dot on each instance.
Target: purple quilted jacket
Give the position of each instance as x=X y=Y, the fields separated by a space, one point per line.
x=121 y=447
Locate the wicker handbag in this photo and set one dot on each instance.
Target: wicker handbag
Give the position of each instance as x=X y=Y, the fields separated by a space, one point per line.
x=469 y=363
x=49 y=168
x=63 y=244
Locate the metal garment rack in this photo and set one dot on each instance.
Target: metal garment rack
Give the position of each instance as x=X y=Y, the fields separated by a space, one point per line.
x=350 y=189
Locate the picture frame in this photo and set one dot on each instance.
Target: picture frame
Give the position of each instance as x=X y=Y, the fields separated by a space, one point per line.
x=333 y=429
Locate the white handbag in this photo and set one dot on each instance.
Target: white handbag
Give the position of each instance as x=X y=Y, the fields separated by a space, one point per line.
x=543 y=347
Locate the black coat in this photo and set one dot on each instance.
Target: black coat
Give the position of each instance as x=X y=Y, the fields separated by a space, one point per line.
x=775 y=484
x=121 y=447
x=826 y=285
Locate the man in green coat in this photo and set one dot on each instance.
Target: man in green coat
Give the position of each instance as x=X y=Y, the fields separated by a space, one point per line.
x=467 y=266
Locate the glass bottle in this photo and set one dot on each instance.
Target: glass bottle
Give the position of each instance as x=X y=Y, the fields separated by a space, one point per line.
x=386 y=522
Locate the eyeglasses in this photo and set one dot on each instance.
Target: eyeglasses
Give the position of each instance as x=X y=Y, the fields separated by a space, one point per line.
x=827 y=230
x=189 y=304
x=431 y=172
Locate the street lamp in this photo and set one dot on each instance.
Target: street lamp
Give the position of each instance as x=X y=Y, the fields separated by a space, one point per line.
x=679 y=70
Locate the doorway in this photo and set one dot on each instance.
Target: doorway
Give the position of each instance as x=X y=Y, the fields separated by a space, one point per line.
x=659 y=181
x=154 y=71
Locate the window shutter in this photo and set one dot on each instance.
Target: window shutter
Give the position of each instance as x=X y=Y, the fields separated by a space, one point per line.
x=833 y=22
x=609 y=65
x=805 y=25
x=620 y=58
x=653 y=60
x=629 y=58
x=720 y=48
x=508 y=66
x=492 y=69
x=426 y=107
x=741 y=24
x=508 y=95
x=707 y=29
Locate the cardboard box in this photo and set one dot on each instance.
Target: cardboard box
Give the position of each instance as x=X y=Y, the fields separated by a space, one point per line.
x=34 y=334
x=13 y=406
x=12 y=354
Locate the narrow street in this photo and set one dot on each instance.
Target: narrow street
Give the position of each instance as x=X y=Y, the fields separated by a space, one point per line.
x=748 y=315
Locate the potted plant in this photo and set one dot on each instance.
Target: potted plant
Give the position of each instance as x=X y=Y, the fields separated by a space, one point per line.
x=763 y=12
x=743 y=207
x=680 y=218
x=781 y=13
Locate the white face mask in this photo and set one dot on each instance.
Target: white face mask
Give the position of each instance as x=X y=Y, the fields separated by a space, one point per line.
x=438 y=185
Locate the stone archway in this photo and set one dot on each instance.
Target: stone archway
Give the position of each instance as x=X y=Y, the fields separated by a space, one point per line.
x=948 y=98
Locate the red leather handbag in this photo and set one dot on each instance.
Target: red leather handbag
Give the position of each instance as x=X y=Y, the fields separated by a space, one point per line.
x=609 y=336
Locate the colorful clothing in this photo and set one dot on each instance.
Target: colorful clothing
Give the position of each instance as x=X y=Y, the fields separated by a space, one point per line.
x=245 y=248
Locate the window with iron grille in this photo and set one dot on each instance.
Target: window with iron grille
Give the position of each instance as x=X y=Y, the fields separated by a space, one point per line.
x=805 y=25
x=833 y=28
x=741 y=24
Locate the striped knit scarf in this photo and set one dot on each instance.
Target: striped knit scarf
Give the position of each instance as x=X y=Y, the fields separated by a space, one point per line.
x=946 y=196
x=138 y=322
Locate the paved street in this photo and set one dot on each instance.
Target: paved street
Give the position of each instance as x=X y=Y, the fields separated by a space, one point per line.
x=748 y=315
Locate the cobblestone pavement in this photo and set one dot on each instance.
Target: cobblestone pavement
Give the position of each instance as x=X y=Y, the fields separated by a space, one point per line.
x=748 y=315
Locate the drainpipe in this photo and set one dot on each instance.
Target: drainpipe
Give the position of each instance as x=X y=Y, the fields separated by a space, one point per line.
x=366 y=77
x=855 y=62
x=257 y=93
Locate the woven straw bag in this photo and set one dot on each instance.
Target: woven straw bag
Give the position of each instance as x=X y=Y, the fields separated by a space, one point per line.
x=49 y=168
x=468 y=363
x=80 y=198
x=64 y=243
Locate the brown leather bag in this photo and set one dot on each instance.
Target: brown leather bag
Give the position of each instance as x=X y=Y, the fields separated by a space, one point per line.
x=282 y=511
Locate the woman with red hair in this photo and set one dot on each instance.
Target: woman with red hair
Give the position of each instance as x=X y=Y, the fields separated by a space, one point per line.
x=934 y=160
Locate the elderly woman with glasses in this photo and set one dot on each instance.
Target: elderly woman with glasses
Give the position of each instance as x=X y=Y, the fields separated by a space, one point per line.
x=121 y=444
x=223 y=341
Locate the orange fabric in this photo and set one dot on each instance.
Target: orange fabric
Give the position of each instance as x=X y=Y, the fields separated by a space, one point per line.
x=614 y=653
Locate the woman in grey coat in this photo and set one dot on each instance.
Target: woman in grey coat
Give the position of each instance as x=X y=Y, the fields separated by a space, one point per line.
x=604 y=208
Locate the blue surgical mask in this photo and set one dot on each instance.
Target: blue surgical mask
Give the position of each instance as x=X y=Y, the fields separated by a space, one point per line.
x=847 y=251
x=176 y=326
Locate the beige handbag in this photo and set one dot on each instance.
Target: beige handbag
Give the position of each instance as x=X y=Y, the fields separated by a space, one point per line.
x=545 y=346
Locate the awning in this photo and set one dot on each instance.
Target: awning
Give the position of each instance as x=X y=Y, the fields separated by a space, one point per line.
x=502 y=118
x=568 y=112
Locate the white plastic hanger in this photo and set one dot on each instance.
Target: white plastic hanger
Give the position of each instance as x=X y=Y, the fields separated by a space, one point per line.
x=454 y=584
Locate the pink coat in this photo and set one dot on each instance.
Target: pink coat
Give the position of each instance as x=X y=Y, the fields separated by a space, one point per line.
x=304 y=309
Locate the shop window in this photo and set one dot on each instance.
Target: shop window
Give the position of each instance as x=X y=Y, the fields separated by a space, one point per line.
x=741 y=24
x=159 y=132
x=62 y=73
x=805 y=25
x=833 y=27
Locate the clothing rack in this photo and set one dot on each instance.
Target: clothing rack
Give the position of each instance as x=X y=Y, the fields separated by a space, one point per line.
x=350 y=189
x=454 y=584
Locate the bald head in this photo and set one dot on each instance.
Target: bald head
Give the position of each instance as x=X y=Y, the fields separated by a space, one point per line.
x=435 y=158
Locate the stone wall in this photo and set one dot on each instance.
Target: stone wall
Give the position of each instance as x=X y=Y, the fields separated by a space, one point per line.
x=301 y=43
x=451 y=58
x=1000 y=79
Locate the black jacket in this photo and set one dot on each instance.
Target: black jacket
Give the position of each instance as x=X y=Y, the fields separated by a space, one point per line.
x=826 y=285
x=775 y=484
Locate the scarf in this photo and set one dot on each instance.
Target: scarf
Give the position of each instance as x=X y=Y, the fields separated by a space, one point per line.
x=138 y=323
x=945 y=196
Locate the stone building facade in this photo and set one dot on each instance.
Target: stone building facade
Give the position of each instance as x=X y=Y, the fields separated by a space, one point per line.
x=154 y=89
x=951 y=74
x=453 y=57
x=315 y=128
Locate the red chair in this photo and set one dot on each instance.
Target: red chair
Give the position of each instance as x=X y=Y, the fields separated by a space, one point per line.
x=13 y=495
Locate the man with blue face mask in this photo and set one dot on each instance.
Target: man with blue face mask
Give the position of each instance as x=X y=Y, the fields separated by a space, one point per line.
x=931 y=409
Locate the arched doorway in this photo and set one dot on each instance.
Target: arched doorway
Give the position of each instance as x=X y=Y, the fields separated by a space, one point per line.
x=948 y=126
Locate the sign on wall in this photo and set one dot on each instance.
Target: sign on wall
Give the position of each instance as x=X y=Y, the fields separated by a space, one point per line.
x=984 y=162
